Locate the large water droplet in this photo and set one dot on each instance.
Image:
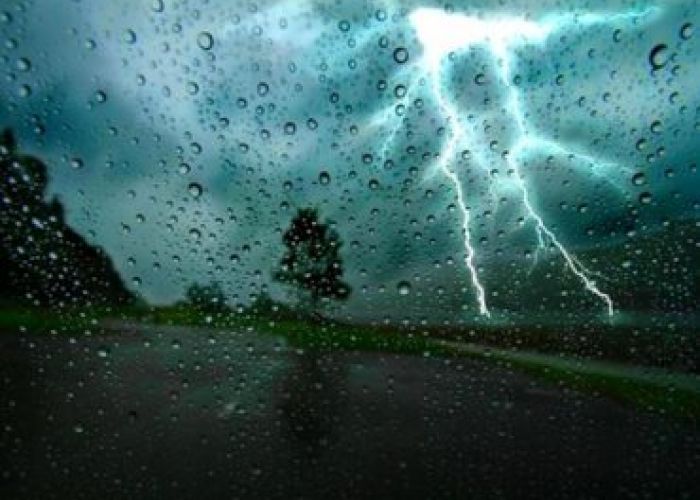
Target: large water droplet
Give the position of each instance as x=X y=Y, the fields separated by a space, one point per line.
x=401 y=55
x=129 y=36
x=658 y=56
x=195 y=189
x=687 y=31
x=638 y=179
x=205 y=40
x=23 y=64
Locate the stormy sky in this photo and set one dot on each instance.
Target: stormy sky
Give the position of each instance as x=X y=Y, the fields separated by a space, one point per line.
x=182 y=136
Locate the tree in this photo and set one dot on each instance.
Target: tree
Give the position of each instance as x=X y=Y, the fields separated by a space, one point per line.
x=207 y=298
x=43 y=261
x=312 y=261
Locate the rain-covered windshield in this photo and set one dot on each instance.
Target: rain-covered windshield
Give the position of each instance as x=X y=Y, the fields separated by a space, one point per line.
x=374 y=249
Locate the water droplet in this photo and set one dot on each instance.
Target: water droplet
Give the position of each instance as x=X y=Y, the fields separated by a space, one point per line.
x=638 y=179
x=157 y=6
x=263 y=89
x=686 y=31
x=645 y=198
x=290 y=128
x=205 y=40
x=401 y=55
x=658 y=56
x=195 y=189
x=192 y=88
x=23 y=64
x=324 y=178
x=403 y=287
x=129 y=37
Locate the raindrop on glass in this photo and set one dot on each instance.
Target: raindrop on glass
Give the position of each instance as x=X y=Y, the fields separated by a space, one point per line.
x=195 y=189
x=658 y=56
x=205 y=40
x=687 y=31
x=129 y=37
x=401 y=55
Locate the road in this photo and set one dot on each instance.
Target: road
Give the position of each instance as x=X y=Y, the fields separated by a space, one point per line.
x=175 y=412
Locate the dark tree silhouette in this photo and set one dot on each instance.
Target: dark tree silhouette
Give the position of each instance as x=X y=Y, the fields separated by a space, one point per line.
x=42 y=260
x=312 y=261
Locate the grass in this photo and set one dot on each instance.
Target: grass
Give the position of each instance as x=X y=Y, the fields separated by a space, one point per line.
x=31 y=320
x=655 y=390
x=40 y=321
x=665 y=392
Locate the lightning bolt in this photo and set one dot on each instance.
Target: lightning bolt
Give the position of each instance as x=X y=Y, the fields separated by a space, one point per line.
x=442 y=33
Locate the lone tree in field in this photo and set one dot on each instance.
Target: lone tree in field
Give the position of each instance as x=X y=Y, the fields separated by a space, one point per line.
x=312 y=261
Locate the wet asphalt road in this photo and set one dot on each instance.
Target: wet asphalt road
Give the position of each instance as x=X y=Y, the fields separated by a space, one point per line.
x=170 y=412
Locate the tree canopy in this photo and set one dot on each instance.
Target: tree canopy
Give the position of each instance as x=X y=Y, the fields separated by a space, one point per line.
x=43 y=260
x=312 y=261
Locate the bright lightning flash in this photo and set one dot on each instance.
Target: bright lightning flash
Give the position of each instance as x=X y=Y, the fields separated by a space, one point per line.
x=442 y=33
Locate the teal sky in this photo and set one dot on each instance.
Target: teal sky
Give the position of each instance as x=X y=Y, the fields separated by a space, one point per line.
x=181 y=136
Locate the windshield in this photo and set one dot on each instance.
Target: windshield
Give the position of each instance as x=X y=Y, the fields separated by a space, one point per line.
x=370 y=249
